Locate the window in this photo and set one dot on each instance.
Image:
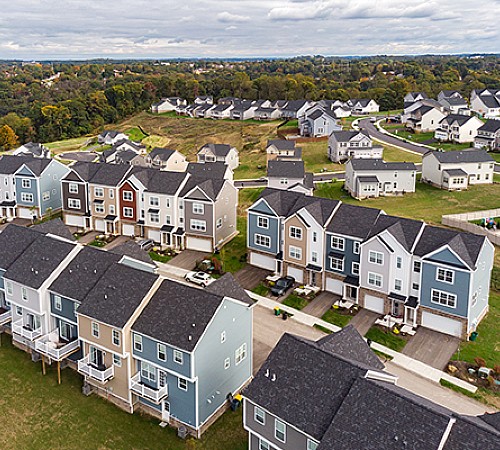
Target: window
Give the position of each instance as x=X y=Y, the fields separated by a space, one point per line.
x=167 y=203
x=263 y=445
x=415 y=286
x=19 y=311
x=99 y=192
x=154 y=201
x=138 y=342
x=26 y=184
x=223 y=337
x=198 y=208
x=127 y=196
x=161 y=352
x=128 y=212
x=240 y=354
x=154 y=217
x=178 y=357
x=26 y=197
x=8 y=285
x=337 y=264
x=355 y=248
x=262 y=222
x=263 y=241
x=296 y=233
x=74 y=203
x=259 y=416
x=311 y=445
x=198 y=225
x=46 y=196
x=57 y=303
x=374 y=279
x=376 y=257
x=95 y=329
x=355 y=268
x=279 y=430
x=219 y=223
x=314 y=257
x=116 y=337
x=315 y=236
x=338 y=243
x=284 y=181
x=227 y=363
x=295 y=252
x=111 y=193
x=168 y=220
x=443 y=298
x=182 y=384
x=417 y=265
x=117 y=361
x=148 y=372
x=398 y=285
x=399 y=262
x=445 y=275
x=24 y=294
x=112 y=210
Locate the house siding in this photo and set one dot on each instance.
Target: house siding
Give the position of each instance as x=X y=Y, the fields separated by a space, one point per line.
x=50 y=181
x=225 y=209
x=24 y=173
x=81 y=195
x=207 y=216
x=348 y=252
x=273 y=232
x=67 y=308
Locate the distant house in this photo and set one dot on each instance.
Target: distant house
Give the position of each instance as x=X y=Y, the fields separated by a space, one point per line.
x=289 y=176
x=167 y=159
x=216 y=170
x=220 y=111
x=488 y=135
x=424 y=118
x=341 y=111
x=168 y=104
x=204 y=100
x=413 y=97
x=244 y=110
x=224 y=153
x=374 y=177
x=201 y=111
x=455 y=105
x=318 y=122
x=283 y=150
x=458 y=128
x=361 y=106
x=110 y=137
x=457 y=169
x=130 y=157
x=295 y=109
x=36 y=150
x=262 y=113
x=343 y=145
x=485 y=102
x=127 y=147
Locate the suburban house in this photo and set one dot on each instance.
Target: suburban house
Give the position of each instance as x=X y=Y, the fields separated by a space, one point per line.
x=457 y=169
x=215 y=170
x=455 y=104
x=413 y=97
x=344 y=145
x=458 y=128
x=117 y=152
x=318 y=122
x=345 y=376
x=204 y=100
x=166 y=159
x=220 y=111
x=131 y=158
x=192 y=349
x=341 y=111
x=295 y=109
x=262 y=113
x=224 y=153
x=290 y=176
x=168 y=104
x=201 y=111
x=9 y=165
x=424 y=118
x=485 y=102
x=111 y=137
x=374 y=177
x=362 y=106
x=244 y=110
x=283 y=150
x=34 y=149
x=488 y=135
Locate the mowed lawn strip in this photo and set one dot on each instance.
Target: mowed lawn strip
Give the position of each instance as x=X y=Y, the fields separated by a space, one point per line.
x=37 y=413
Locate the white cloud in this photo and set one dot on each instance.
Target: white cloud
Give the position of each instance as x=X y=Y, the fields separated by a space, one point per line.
x=228 y=17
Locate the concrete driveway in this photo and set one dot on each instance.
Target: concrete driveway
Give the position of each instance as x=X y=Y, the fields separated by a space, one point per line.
x=250 y=276
x=431 y=347
x=187 y=259
x=321 y=304
x=364 y=320
x=117 y=241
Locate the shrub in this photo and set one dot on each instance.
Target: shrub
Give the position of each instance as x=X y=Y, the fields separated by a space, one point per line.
x=480 y=362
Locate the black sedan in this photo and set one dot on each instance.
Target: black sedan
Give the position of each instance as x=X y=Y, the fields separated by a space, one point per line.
x=282 y=285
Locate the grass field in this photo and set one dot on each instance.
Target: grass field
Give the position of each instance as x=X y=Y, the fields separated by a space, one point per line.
x=294 y=301
x=69 y=145
x=37 y=413
x=334 y=317
x=386 y=338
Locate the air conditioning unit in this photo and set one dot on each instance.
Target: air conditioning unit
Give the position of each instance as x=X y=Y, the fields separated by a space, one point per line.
x=35 y=356
x=86 y=389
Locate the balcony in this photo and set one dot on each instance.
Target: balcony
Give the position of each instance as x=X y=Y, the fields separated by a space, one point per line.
x=155 y=395
x=51 y=345
x=26 y=331
x=5 y=316
x=440 y=134
x=98 y=373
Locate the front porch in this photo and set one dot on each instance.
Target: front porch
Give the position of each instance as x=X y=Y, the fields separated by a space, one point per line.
x=155 y=395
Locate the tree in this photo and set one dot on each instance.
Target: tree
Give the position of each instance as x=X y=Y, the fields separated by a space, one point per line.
x=8 y=139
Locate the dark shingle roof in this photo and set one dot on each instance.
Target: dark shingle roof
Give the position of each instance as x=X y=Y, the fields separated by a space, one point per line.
x=132 y=250
x=462 y=156
x=320 y=208
x=83 y=272
x=38 y=165
x=163 y=154
x=14 y=240
x=281 y=144
x=490 y=101
x=110 y=174
x=353 y=220
x=39 y=261
x=215 y=170
x=456 y=172
x=229 y=287
x=471 y=433
x=211 y=187
x=289 y=169
x=159 y=181
x=459 y=118
x=178 y=314
x=492 y=419
x=347 y=135
x=491 y=126
x=218 y=149
x=9 y=164
x=35 y=148
x=405 y=231
x=85 y=170
x=379 y=164
x=117 y=295
x=281 y=201
x=56 y=227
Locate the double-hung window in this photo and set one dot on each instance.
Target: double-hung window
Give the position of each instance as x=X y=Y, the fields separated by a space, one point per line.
x=263 y=222
x=154 y=201
x=263 y=241
x=162 y=352
x=148 y=372
x=74 y=203
x=399 y=262
x=95 y=329
x=279 y=430
x=295 y=252
x=128 y=212
x=355 y=247
x=26 y=183
x=338 y=243
x=182 y=384
x=26 y=197
x=198 y=208
x=73 y=188
x=398 y=285
x=127 y=196
x=337 y=264
x=240 y=354
x=376 y=257
x=99 y=192
x=259 y=415
x=445 y=275
x=355 y=268
x=374 y=279
x=417 y=265
x=443 y=298
x=178 y=357
x=296 y=233
x=116 y=337
x=137 y=342
x=57 y=303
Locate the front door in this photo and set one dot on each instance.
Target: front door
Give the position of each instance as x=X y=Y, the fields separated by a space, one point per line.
x=313 y=278
x=352 y=293
x=396 y=308
x=110 y=227
x=165 y=411
x=410 y=316
x=33 y=322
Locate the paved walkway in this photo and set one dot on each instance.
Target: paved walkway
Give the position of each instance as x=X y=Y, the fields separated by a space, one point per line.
x=321 y=304
x=364 y=320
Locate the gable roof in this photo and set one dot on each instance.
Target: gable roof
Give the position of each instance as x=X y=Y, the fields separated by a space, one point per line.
x=56 y=227
x=35 y=148
x=38 y=165
x=159 y=181
x=353 y=220
x=9 y=164
x=211 y=187
x=221 y=150
x=281 y=144
x=109 y=174
x=281 y=201
x=490 y=101
x=288 y=169
x=461 y=156
x=405 y=231
x=347 y=135
x=491 y=126
x=461 y=119
x=320 y=208
x=132 y=250
x=163 y=154
x=178 y=314
x=14 y=240
x=229 y=287
x=471 y=433
x=84 y=170
x=215 y=170
x=379 y=165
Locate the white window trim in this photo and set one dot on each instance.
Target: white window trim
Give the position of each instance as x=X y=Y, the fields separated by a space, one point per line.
x=332 y=265
x=340 y=243
x=276 y=422
x=158 y=347
x=178 y=357
x=94 y=328
x=265 y=219
x=57 y=303
x=74 y=203
x=125 y=211
x=255 y=415
x=354 y=264
x=26 y=183
x=198 y=208
x=355 y=247
x=445 y=271
x=97 y=191
x=179 y=380
x=375 y=275
x=448 y=294
x=267 y=238
x=296 y=230
x=295 y=252
x=113 y=334
x=137 y=342
x=375 y=259
x=128 y=199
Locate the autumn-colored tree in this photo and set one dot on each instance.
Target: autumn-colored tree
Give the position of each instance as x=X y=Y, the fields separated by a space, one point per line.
x=8 y=139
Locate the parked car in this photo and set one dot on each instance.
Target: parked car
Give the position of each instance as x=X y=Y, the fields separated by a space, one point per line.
x=199 y=278
x=146 y=244
x=282 y=285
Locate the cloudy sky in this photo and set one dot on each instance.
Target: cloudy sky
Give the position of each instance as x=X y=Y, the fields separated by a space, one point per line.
x=70 y=29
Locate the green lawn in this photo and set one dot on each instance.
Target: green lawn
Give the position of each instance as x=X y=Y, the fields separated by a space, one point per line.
x=393 y=154
x=388 y=338
x=495 y=156
x=261 y=289
x=233 y=253
x=160 y=258
x=69 y=145
x=334 y=317
x=294 y=301
x=37 y=413
x=135 y=134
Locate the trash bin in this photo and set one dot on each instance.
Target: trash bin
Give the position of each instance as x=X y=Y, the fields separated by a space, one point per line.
x=473 y=336
x=182 y=432
x=285 y=315
x=277 y=311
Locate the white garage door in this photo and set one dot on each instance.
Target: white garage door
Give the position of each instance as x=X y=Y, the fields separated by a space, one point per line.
x=25 y=213
x=100 y=225
x=128 y=229
x=298 y=274
x=374 y=303
x=75 y=221
x=200 y=244
x=441 y=324
x=335 y=286
x=155 y=235
x=263 y=261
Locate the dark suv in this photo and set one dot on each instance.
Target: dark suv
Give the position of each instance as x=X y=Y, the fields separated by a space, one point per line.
x=282 y=285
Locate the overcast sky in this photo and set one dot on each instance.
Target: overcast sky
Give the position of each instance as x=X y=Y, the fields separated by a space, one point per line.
x=70 y=29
